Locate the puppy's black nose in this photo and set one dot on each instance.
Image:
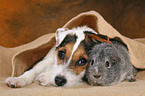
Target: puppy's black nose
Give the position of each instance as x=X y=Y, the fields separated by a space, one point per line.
x=60 y=80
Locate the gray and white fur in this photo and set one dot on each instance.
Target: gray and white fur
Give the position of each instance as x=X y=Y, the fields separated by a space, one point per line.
x=109 y=64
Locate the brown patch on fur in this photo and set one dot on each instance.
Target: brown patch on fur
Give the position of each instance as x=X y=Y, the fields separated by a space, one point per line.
x=78 y=54
x=68 y=48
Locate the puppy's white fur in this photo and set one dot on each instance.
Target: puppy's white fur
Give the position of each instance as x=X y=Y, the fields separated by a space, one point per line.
x=29 y=76
x=47 y=69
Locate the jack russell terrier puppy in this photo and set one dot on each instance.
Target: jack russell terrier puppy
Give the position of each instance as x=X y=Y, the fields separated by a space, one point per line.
x=66 y=62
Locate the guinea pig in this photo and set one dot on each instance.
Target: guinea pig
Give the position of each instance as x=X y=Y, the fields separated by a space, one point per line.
x=109 y=64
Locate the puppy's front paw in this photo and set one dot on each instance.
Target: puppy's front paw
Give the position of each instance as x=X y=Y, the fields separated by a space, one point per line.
x=44 y=79
x=15 y=82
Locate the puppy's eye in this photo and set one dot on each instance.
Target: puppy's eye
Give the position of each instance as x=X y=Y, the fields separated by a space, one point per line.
x=61 y=54
x=81 y=62
x=107 y=64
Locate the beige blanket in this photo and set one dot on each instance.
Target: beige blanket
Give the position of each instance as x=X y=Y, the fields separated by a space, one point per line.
x=14 y=61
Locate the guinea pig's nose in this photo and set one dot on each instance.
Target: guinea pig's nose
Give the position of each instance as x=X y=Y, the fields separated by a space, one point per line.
x=60 y=80
x=97 y=76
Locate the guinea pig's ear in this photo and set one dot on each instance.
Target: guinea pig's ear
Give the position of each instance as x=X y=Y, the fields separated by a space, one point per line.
x=98 y=38
x=115 y=60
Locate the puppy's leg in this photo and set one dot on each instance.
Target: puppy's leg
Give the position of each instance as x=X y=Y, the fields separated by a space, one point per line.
x=29 y=76
x=44 y=78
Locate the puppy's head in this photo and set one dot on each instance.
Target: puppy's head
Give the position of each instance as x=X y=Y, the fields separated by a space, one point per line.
x=72 y=48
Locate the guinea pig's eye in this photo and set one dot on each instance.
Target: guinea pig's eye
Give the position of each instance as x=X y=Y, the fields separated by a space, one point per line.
x=108 y=65
x=92 y=62
x=61 y=54
x=81 y=62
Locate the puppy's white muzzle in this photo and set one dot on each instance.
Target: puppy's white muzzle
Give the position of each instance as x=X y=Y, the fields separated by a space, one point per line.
x=61 y=75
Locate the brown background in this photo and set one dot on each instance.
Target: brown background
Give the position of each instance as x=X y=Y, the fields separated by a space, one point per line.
x=22 y=21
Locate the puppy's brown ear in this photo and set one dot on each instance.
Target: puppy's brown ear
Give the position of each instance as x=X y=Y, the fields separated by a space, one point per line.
x=96 y=37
